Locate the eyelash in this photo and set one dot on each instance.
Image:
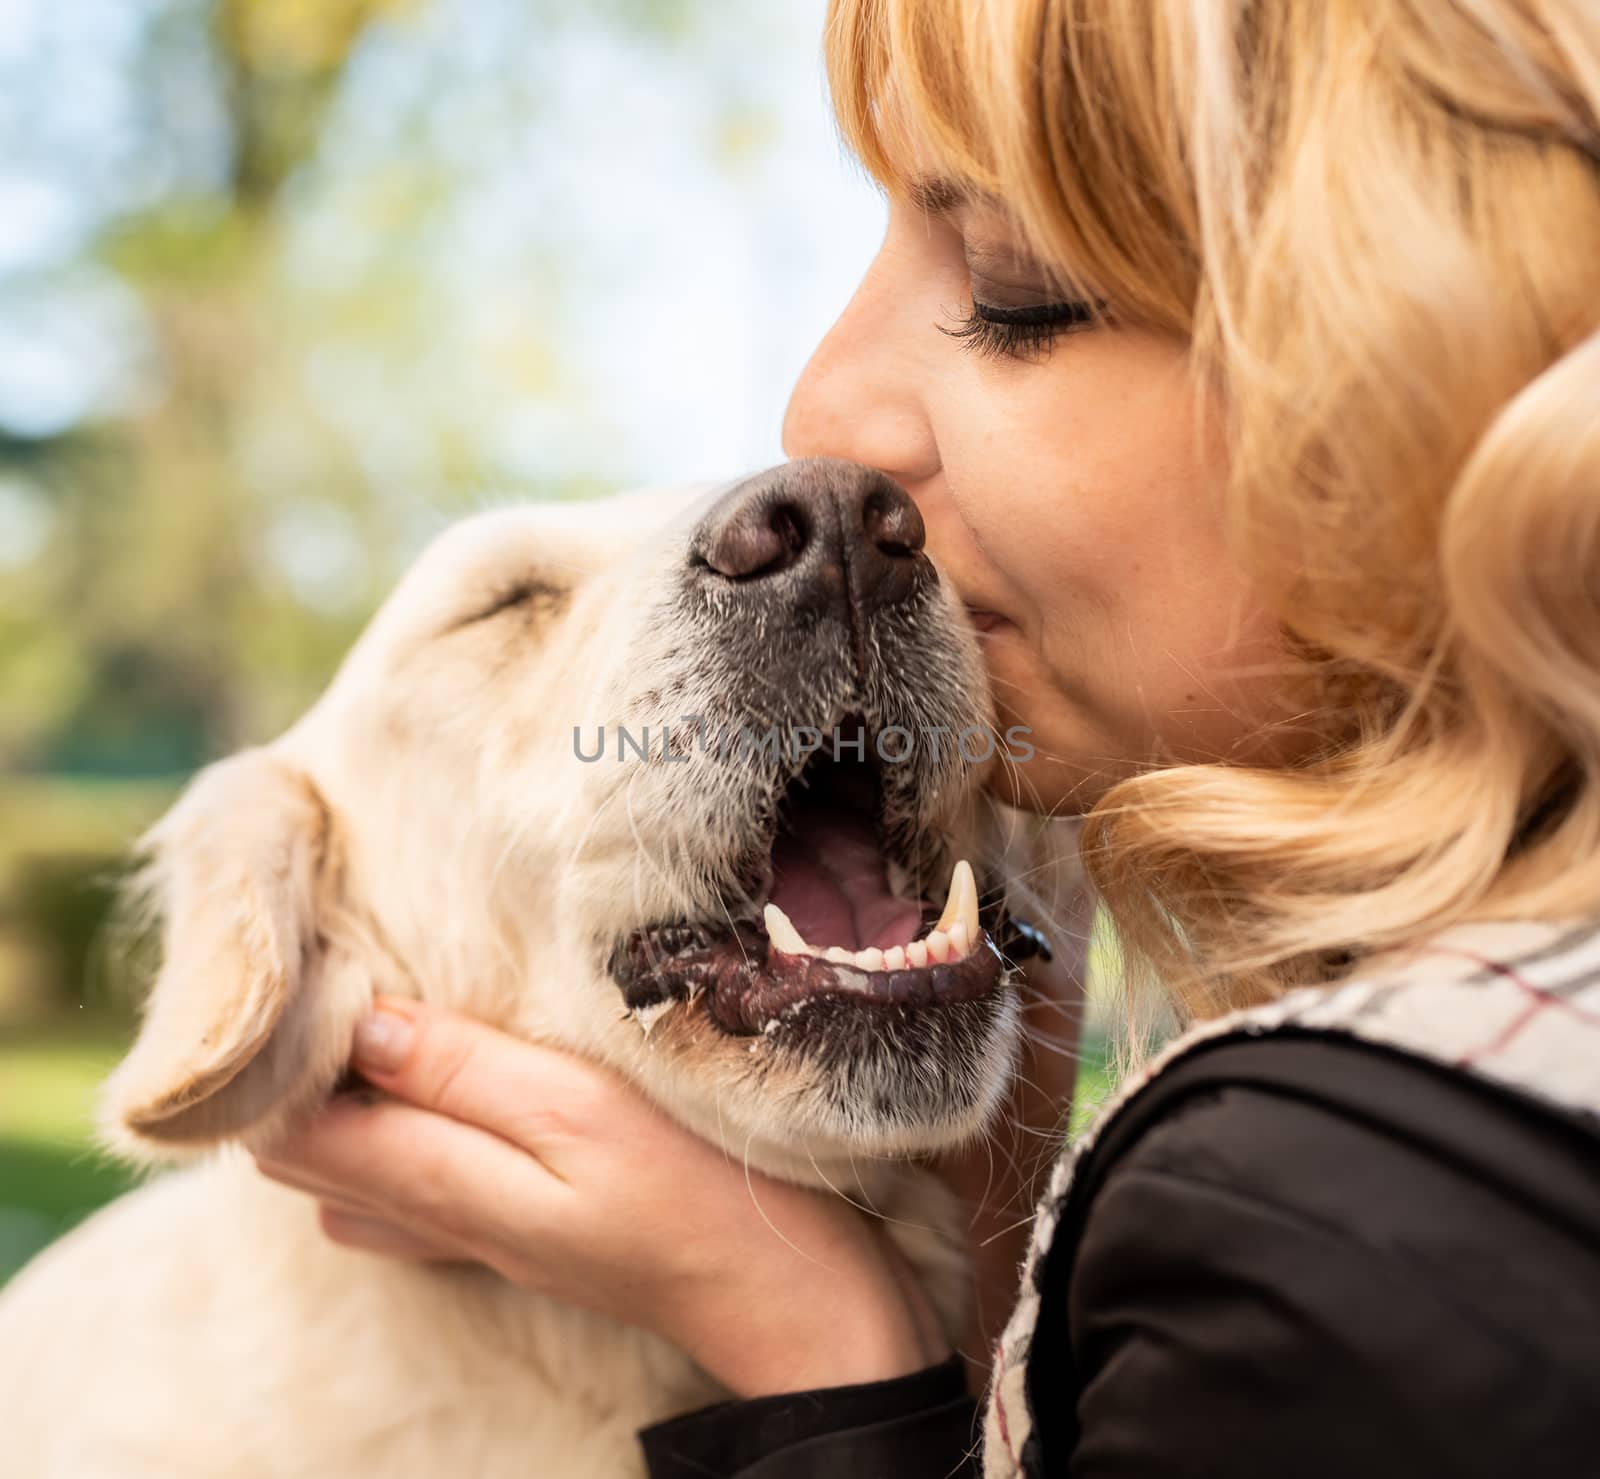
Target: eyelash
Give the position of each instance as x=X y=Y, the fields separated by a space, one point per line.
x=1019 y=333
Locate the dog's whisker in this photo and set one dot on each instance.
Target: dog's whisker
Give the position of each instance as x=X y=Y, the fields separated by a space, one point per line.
x=1006 y=1231
x=777 y=1231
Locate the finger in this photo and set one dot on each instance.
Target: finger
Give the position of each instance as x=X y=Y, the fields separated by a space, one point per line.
x=341 y=1201
x=373 y=1235
x=434 y=1175
x=296 y=1177
x=531 y=1095
x=348 y=1220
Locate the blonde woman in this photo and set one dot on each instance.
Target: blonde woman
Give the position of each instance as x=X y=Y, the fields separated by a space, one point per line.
x=1242 y=359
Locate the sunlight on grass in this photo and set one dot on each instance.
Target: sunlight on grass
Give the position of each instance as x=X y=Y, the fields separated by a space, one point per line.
x=51 y=1173
x=47 y=1085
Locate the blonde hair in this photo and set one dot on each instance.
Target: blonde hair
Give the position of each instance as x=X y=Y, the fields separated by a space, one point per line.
x=1377 y=225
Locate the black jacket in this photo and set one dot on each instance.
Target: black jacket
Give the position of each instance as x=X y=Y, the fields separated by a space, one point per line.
x=1288 y=1256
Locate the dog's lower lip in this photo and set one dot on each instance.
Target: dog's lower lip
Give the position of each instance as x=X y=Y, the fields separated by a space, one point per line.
x=748 y=987
x=785 y=984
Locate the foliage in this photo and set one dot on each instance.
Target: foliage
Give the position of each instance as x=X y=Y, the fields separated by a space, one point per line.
x=64 y=843
x=283 y=384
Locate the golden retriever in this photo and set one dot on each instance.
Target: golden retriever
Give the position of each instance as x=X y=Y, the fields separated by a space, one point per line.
x=682 y=781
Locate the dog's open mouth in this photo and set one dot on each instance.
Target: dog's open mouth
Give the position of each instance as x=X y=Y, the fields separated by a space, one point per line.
x=837 y=914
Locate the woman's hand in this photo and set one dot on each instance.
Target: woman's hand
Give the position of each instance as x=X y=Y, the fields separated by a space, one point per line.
x=560 y=1177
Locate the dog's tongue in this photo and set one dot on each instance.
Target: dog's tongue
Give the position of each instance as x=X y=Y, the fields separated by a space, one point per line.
x=830 y=879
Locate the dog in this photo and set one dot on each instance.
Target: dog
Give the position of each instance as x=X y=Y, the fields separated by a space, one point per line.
x=690 y=782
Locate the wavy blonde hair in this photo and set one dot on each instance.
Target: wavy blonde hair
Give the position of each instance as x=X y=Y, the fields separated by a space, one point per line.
x=1376 y=223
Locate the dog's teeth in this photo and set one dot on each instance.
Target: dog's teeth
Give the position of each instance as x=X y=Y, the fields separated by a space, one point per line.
x=950 y=940
x=962 y=904
x=783 y=935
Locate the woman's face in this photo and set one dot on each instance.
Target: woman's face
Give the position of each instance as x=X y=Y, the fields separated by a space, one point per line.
x=1067 y=495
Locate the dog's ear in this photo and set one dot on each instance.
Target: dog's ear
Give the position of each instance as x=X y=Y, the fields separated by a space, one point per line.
x=251 y=1013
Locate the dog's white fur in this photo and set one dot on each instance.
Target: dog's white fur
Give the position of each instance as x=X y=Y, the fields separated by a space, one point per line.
x=425 y=829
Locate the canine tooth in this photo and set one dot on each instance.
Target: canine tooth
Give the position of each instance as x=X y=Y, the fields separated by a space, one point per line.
x=894 y=959
x=962 y=903
x=838 y=955
x=938 y=944
x=959 y=943
x=917 y=953
x=870 y=959
x=784 y=936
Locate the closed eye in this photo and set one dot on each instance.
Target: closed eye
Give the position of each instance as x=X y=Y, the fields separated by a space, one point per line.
x=540 y=597
x=1022 y=332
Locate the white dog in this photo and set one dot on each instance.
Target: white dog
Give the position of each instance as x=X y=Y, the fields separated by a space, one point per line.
x=731 y=905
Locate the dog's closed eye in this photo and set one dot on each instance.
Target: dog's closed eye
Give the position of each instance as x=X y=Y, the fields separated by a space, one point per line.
x=539 y=596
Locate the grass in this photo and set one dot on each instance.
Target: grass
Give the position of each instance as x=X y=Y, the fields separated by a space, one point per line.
x=61 y=838
x=51 y=1176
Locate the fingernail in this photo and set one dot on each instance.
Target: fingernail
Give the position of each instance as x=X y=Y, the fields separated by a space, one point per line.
x=382 y=1041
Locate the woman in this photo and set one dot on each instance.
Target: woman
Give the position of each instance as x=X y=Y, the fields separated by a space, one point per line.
x=1242 y=359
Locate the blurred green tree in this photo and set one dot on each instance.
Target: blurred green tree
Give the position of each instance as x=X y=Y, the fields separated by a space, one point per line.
x=190 y=554
x=131 y=645
x=217 y=536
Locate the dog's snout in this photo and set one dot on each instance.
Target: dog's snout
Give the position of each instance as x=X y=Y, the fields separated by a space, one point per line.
x=836 y=529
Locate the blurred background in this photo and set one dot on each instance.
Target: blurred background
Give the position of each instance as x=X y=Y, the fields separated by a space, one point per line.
x=285 y=286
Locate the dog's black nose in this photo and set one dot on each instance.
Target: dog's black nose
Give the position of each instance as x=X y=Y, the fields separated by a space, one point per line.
x=831 y=530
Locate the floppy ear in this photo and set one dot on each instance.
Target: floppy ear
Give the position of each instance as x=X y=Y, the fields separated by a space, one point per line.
x=251 y=1013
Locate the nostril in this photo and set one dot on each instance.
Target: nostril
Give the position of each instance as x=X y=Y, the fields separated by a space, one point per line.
x=759 y=540
x=892 y=523
x=790 y=525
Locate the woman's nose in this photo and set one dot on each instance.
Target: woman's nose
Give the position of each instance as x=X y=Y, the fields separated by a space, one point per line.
x=862 y=395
